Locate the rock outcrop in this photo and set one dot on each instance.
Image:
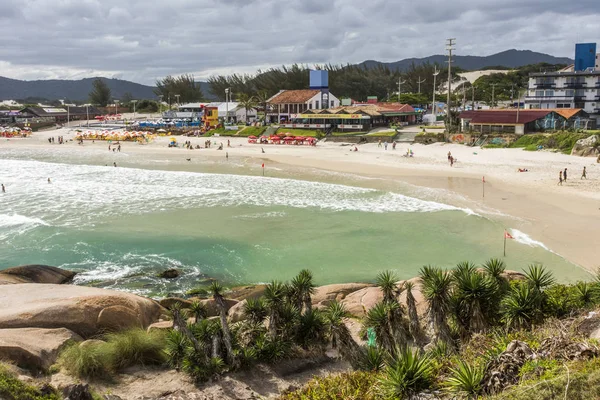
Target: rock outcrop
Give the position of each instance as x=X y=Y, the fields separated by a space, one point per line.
x=34 y=348
x=35 y=274
x=171 y=273
x=211 y=306
x=83 y=310
x=324 y=295
x=587 y=147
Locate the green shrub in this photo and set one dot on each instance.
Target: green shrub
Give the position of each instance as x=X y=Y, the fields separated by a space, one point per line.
x=253 y=131
x=347 y=386
x=136 y=347
x=11 y=388
x=89 y=361
x=466 y=379
x=409 y=372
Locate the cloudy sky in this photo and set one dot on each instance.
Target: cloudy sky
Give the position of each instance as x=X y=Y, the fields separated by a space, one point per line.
x=142 y=40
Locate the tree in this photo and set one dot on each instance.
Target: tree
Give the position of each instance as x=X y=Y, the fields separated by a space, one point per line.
x=247 y=103
x=217 y=291
x=184 y=85
x=301 y=289
x=339 y=334
x=437 y=289
x=100 y=94
x=274 y=302
x=413 y=315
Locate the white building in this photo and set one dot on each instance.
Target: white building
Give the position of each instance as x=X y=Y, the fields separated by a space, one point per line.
x=288 y=102
x=233 y=109
x=565 y=89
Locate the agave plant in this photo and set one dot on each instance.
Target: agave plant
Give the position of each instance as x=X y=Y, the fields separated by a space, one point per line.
x=585 y=293
x=311 y=329
x=255 y=310
x=217 y=291
x=413 y=316
x=379 y=318
x=386 y=281
x=466 y=379
x=475 y=294
x=520 y=307
x=198 y=310
x=409 y=372
x=338 y=332
x=301 y=288
x=538 y=278
x=494 y=267
x=372 y=359
x=274 y=301
x=176 y=347
x=437 y=289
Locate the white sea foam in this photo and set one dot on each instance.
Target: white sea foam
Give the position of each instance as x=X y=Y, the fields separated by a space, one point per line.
x=525 y=239
x=9 y=220
x=84 y=194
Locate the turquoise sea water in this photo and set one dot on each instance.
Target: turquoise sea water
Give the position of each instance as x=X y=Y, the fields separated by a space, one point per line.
x=119 y=227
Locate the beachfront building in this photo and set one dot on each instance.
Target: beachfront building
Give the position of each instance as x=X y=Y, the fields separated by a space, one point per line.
x=59 y=114
x=497 y=121
x=358 y=117
x=577 y=86
x=292 y=102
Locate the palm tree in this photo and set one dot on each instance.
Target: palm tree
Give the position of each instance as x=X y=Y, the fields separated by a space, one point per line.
x=386 y=281
x=437 y=288
x=247 y=102
x=379 y=318
x=338 y=333
x=274 y=301
x=262 y=96
x=494 y=267
x=413 y=316
x=198 y=310
x=217 y=291
x=311 y=329
x=475 y=293
x=255 y=310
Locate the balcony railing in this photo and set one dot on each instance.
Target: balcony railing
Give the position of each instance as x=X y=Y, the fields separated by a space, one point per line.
x=545 y=85
x=548 y=98
x=575 y=85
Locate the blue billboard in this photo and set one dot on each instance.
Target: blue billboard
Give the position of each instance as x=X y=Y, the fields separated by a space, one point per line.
x=585 y=56
x=319 y=79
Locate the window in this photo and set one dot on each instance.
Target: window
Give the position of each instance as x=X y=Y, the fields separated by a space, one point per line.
x=539 y=93
x=570 y=92
x=332 y=104
x=549 y=93
x=310 y=106
x=317 y=104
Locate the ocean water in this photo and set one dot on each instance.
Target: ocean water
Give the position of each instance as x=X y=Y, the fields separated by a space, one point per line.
x=119 y=227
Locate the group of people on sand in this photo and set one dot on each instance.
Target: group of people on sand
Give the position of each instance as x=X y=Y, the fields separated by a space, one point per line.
x=114 y=148
x=562 y=175
x=385 y=144
x=59 y=139
x=188 y=145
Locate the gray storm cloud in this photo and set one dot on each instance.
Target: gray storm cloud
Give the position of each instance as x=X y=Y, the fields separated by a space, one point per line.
x=146 y=40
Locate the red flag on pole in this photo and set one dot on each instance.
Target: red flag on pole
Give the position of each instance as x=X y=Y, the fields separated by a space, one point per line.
x=507 y=235
x=263 y=165
x=483 y=179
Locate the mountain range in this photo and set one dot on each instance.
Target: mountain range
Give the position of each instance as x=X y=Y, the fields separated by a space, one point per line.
x=78 y=90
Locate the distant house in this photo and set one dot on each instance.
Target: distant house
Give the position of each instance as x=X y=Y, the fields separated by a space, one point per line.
x=525 y=121
x=59 y=114
x=233 y=110
x=287 y=102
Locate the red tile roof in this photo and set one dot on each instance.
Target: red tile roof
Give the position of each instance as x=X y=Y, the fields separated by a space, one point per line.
x=293 y=96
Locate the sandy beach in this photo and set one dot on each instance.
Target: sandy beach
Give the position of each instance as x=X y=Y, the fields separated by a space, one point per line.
x=565 y=218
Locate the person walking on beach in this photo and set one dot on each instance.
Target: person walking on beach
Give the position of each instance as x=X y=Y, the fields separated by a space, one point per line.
x=227 y=156
x=115 y=164
x=49 y=181
x=385 y=144
x=394 y=145
x=449 y=156
x=565 y=175
x=379 y=143
x=584 y=174
x=560 y=178
x=228 y=143
x=451 y=161
x=119 y=148
x=3 y=188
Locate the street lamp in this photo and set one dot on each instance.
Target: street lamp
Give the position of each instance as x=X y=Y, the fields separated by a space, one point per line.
x=227 y=104
x=435 y=74
x=134 y=101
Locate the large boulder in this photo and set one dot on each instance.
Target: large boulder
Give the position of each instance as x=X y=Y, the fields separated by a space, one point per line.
x=236 y=312
x=324 y=295
x=169 y=302
x=587 y=147
x=360 y=302
x=34 y=348
x=35 y=274
x=211 y=306
x=246 y=292
x=84 y=310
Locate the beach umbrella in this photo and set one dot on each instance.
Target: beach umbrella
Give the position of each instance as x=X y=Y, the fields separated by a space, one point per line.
x=252 y=137
x=275 y=138
x=288 y=138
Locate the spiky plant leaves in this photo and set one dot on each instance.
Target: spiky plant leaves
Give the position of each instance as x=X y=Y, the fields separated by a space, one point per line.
x=475 y=296
x=437 y=290
x=386 y=281
x=372 y=359
x=413 y=316
x=466 y=379
x=216 y=289
x=311 y=329
x=538 y=277
x=255 y=310
x=300 y=290
x=494 y=267
x=176 y=348
x=338 y=332
x=586 y=294
x=409 y=372
x=379 y=317
x=275 y=294
x=198 y=310
x=520 y=307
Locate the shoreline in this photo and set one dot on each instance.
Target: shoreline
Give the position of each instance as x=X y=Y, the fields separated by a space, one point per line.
x=566 y=219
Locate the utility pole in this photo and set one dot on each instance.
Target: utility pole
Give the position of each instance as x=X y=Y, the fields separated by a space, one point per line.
x=160 y=97
x=512 y=94
x=493 y=85
x=87 y=114
x=134 y=101
x=449 y=47
x=419 y=81
x=177 y=97
x=472 y=97
x=436 y=72
x=464 y=102
x=400 y=82
x=227 y=105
